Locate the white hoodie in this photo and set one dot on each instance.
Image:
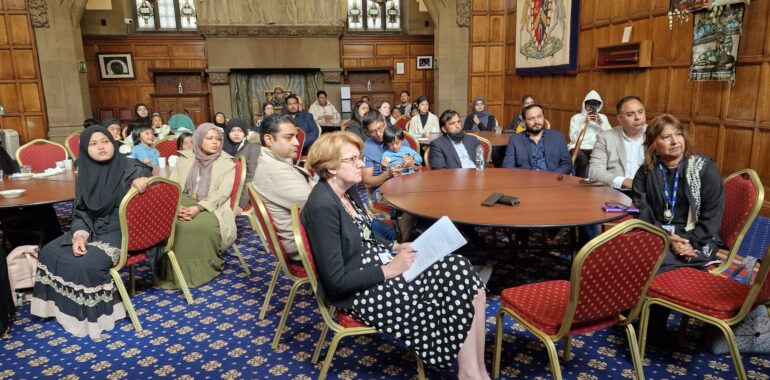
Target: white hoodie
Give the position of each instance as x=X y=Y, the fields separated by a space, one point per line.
x=578 y=121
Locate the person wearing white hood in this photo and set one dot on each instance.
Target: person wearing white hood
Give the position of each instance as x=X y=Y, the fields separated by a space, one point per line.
x=583 y=128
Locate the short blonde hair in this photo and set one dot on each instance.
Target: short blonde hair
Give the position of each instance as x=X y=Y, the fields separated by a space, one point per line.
x=326 y=152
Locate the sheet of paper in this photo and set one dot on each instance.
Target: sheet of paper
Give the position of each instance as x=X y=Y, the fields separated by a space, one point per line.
x=627 y=34
x=441 y=239
x=345 y=105
x=344 y=92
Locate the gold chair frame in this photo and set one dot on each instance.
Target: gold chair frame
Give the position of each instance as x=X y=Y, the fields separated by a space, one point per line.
x=169 y=137
x=408 y=136
x=235 y=206
x=327 y=312
x=426 y=158
x=569 y=314
x=35 y=141
x=67 y=144
x=484 y=140
x=115 y=270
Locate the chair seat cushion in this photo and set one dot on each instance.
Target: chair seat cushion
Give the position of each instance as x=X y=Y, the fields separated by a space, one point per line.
x=348 y=321
x=543 y=305
x=381 y=207
x=135 y=258
x=701 y=291
x=296 y=269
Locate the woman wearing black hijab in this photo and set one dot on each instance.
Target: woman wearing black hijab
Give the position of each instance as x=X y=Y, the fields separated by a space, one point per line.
x=72 y=282
x=142 y=114
x=220 y=120
x=237 y=144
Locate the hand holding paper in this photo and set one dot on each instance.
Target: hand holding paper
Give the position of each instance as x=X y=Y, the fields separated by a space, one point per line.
x=441 y=239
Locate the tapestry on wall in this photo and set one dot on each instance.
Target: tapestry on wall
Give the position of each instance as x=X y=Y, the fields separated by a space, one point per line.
x=546 y=36
x=715 y=39
x=250 y=90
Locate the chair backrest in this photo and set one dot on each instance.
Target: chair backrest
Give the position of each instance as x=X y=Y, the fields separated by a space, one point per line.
x=72 y=143
x=426 y=158
x=486 y=145
x=744 y=195
x=240 y=178
x=148 y=218
x=301 y=138
x=344 y=125
x=413 y=143
x=270 y=239
x=41 y=154
x=167 y=146
x=611 y=273
x=403 y=122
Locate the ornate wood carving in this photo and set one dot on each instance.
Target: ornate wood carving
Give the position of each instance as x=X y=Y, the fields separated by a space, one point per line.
x=332 y=76
x=219 y=77
x=464 y=13
x=38 y=13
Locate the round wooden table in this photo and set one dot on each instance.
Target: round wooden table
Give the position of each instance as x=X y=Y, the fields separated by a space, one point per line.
x=49 y=190
x=546 y=201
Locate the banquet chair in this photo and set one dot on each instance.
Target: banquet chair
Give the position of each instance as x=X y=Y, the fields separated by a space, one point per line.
x=235 y=196
x=72 y=143
x=146 y=220
x=487 y=146
x=610 y=276
x=41 y=154
x=426 y=158
x=301 y=138
x=341 y=323
x=708 y=297
x=413 y=143
x=167 y=146
x=292 y=270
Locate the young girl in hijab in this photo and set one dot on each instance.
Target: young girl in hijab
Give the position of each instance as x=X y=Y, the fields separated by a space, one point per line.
x=72 y=281
x=144 y=150
x=205 y=225
x=480 y=119
x=161 y=130
x=237 y=144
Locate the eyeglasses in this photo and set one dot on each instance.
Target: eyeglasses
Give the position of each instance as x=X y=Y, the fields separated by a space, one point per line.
x=352 y=159
x=377 y=131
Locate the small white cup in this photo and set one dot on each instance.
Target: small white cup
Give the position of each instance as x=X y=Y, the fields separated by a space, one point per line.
x=68 y=164
x=161 y=162
x=60 y=164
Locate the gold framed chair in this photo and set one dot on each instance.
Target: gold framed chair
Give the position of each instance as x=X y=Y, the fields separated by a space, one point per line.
x=41 y=154
x=413 y=142
x=167 y=146
x=426 y=158
x=72 y=144
x=605 y=283
x=486 y=145
x=341 y=324
x=235 y=196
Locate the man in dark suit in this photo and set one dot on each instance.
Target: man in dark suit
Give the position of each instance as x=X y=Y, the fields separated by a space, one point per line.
x=303 y=120
x=537 y=148
x=454 y=149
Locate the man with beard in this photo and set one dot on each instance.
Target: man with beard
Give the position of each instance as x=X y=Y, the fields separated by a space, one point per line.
x=537 y=148
x=303 y=120
x=454 y=149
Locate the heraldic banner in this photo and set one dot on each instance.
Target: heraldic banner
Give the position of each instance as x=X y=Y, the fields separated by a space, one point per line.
x=546 y=36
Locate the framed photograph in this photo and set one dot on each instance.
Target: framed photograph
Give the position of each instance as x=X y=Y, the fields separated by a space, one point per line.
x=424 y=62
x=547 y=36
x=116 y=66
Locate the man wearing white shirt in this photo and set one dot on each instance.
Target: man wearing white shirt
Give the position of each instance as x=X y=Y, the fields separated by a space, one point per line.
x=619 y=152
x=588 y=123
x=322 y=110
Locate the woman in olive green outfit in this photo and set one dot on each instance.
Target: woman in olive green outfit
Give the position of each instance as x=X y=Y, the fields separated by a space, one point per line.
x=205 y=224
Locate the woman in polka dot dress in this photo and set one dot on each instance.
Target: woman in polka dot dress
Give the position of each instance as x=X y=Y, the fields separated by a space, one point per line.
x=440 y=314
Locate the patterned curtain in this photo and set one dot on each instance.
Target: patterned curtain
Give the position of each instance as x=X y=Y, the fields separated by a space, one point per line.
x=249 y=91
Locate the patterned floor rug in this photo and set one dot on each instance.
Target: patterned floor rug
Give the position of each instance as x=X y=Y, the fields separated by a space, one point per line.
x=221 y=336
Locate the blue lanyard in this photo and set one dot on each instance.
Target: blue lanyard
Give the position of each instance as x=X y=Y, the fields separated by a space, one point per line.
x=669 y=198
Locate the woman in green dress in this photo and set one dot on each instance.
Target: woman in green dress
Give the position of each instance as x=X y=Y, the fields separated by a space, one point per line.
x=205 y=225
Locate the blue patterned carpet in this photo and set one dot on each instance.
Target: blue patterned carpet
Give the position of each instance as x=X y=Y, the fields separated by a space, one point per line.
x=220 y=336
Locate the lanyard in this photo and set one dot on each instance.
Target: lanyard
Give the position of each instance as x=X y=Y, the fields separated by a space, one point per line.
x=670 y=198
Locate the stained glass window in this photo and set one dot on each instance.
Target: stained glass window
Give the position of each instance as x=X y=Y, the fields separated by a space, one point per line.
x=188 y=14
x=374 y=15
x=166 y=15
x=145 y=15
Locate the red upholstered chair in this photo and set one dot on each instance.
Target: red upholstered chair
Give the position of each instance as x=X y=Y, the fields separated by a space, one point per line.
x=292 y=270
x=710 y=298
x=744 y=195
x=146 y=220
x=301 y=139
x=72 y=143
x=610 y=276
x=40 y=154
x=486 y=145
x=403 y=122
x=235 y=196
x=167 y=146
x=413 y=143
x=339 y=322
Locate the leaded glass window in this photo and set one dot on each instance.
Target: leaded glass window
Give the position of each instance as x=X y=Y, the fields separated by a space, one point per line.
x=165 y=15
x=374 y=15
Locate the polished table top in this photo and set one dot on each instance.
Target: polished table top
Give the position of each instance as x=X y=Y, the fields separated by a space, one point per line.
x=497 y=140
x=546 y=200
x=53 y=189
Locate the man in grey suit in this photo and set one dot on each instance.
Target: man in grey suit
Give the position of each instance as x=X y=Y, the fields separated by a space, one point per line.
x=619 y=152
x=455 y=149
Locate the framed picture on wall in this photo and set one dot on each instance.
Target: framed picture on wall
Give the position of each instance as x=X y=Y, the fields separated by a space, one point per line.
x=116 y=66
x=547 y=36
x=424 y=62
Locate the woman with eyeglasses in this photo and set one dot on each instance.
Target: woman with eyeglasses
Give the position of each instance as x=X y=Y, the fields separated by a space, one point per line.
x=440 y=314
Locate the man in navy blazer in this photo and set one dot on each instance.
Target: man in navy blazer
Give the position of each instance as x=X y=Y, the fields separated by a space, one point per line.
x=537 y=148
x=303 y=120
x=454 y=149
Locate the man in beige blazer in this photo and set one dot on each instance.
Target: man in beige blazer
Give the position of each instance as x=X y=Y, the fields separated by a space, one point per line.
x=618 y=153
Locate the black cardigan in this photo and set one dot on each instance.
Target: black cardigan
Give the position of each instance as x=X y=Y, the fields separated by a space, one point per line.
x=468 y=124
x=337 y=247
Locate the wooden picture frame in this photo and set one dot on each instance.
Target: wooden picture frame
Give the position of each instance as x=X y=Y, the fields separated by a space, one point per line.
x=424 y=62
x=116 y=66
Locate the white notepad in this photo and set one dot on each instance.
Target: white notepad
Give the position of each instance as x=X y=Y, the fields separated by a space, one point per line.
x=441 y=239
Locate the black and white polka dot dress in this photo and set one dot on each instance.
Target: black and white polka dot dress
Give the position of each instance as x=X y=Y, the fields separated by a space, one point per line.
x=432 y=314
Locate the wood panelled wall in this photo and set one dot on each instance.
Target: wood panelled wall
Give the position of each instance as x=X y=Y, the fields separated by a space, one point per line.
x=117 y=96
x=386 y=51
x=487 y=56
x=21 y=89
x=730 y=123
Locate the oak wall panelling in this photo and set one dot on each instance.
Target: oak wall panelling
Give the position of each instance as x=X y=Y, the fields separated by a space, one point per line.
x=730 y=123
x=116 y=97
x=386 y=51
x=21 y=89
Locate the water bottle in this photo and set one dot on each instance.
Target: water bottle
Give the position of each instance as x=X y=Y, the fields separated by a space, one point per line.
x=20 y=299
x=479 y=157
x=498 y=129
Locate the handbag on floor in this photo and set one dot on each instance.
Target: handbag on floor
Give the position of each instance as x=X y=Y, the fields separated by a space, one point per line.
x=22 y=262
x=752 y=334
